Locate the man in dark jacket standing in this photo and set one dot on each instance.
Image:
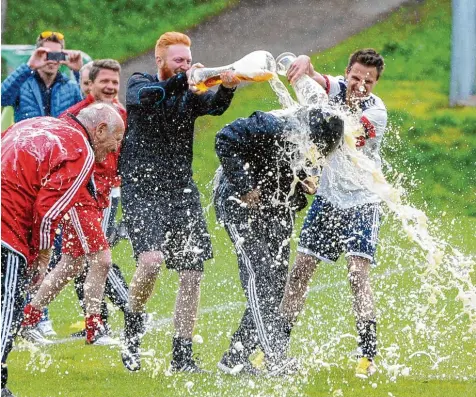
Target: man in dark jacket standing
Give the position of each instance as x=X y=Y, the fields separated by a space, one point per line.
x=262 y=183
x=161 y=202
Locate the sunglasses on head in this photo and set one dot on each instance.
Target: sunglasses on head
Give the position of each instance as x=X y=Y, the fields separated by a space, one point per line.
x=48 y=34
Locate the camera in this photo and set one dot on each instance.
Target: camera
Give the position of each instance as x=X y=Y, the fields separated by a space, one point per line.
x=56 y=56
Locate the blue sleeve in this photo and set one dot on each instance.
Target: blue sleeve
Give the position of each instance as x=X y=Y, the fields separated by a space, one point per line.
x=12 y=84
x=236 y=141
x=77 y=76
x=213 y=103
x=75 y=91
x=142 y=89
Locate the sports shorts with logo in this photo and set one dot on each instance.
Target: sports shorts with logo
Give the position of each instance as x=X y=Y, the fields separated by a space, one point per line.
x=330 y=231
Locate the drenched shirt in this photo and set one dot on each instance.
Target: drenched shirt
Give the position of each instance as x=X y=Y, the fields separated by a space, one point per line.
x=158 y=148
x=341 y=182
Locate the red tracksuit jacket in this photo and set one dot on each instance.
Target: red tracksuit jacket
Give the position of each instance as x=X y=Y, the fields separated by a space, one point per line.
x=45 y=163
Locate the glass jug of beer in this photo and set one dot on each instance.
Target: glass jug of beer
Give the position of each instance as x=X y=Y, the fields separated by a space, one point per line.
x=256 y=66
x=308 y=91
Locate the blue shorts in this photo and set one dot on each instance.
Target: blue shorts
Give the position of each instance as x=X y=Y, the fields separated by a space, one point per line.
x=328 y=231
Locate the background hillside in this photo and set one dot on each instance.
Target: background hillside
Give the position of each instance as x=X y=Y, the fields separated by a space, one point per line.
x=118 y=29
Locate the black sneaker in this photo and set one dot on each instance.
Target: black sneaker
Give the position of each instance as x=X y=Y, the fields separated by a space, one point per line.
x=133 y=332
x=187 y=366
x=131 y=358
x=233 y=365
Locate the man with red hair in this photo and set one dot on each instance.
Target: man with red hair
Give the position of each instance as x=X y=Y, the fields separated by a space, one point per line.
x=161 y=203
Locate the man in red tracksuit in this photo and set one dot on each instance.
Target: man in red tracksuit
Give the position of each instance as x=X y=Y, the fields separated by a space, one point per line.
x=84 y=239
x=46 y=164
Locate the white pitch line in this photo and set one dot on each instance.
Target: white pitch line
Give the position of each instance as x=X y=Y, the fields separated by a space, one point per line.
x=161 y=322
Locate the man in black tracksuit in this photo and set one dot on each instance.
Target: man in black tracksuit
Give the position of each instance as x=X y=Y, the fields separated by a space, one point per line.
x=161 y=202
x=256 y=199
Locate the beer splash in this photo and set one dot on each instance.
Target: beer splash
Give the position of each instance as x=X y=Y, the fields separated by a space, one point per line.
x=441 y=272
x=257 y=66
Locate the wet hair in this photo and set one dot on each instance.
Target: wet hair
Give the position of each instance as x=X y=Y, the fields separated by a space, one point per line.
x=101 y=112
x=53 y=38
x=367 y=57
x=100 y=64
x=168 y=39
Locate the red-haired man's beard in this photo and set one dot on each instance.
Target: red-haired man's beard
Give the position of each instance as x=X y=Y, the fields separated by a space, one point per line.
x=167 y=72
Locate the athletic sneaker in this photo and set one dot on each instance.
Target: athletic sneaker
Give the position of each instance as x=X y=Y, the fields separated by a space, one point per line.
x=283 y=366
x=134 y=330
x=186 y=366
x=131 y=358
x=79 y=335
x=82 y=334
x=101 y=338
x=31 y=334
x=365 y=368
x=46 y=328
x=7 y=393
x=232 y=364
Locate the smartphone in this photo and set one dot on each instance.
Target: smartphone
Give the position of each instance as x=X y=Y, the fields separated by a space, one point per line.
x=56 y=56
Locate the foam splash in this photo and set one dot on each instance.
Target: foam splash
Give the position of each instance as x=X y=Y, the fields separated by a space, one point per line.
x=441 y=270
x=31 y=139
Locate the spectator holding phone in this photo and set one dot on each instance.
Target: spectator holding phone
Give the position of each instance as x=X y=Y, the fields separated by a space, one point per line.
x=38 y=88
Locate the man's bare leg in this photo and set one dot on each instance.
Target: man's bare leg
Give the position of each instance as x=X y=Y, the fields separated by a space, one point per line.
x=51 y=286
x=99 y=265
x=297 y=286
x=185 y=316
x=143 y=281
x=363 y=304
x=186 y=304
x=56 y=280
x=140 y=290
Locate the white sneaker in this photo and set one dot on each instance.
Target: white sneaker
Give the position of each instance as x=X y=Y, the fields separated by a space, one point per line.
x=34 y=336
x=46 y=328
x=284 y=366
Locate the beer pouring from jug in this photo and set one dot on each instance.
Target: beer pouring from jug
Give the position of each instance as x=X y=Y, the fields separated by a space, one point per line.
x=256 y=66
x=308 y=91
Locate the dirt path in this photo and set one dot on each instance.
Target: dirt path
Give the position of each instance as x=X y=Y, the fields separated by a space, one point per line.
x=299 y=26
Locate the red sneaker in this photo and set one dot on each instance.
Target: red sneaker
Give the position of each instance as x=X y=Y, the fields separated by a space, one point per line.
x=96 y=332
x=31 y=316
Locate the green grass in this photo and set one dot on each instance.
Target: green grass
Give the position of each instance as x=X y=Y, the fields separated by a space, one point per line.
x=117 y=29
x=435 y=150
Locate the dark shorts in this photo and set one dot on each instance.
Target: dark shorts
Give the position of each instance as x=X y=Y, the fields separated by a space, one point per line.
x=329 y=231
x=171 y=222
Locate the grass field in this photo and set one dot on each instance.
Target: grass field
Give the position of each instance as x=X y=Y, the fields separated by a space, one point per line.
x=426 y=346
